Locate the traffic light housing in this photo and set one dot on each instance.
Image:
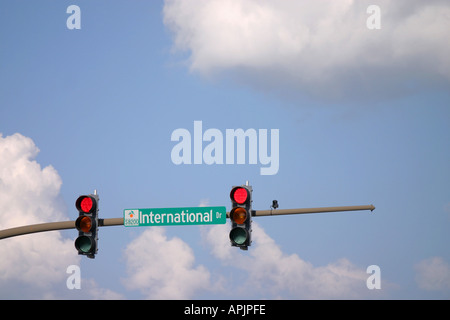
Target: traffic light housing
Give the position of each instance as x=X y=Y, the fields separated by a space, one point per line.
x=241 y=216
x=87 y=225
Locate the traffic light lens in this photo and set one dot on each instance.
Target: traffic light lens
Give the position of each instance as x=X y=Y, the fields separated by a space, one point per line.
x=86 y=204
x=83 y=244
x=238 y=235
x=84 y=224
x=239 y=195
x=238 y=215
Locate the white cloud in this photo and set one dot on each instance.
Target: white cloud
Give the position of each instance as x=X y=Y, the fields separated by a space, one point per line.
x=270 y=273
x=29 y=195
x=433 y=274
x=322 y=47
x=204 y=203
x=91 y=290
x=163 y=268
x=35 y=266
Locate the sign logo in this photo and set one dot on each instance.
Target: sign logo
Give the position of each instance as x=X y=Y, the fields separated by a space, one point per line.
x=131 y=218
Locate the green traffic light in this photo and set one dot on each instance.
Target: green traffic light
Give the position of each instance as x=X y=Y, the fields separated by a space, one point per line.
x=238 y=235
x=84 y=244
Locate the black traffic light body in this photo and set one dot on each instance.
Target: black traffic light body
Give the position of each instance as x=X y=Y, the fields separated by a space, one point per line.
x=87 y=225
x=241 y=216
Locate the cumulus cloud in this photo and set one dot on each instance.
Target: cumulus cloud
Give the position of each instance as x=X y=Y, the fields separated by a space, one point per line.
x=323 y=48
x=433 y=274
x=163 y=268
x=90 y=289
x=271 y=273
x=35 y=266
x=29 y=194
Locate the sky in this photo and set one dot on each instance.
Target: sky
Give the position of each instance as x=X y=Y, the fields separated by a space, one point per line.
x=359 y=94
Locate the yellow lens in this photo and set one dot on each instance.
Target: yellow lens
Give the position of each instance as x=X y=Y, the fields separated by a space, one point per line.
x=238 y=215
x=84 y=224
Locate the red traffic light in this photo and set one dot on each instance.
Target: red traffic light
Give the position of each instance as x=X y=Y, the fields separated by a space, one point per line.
x=239 y=195
x=241 y=216
x=87 y=225
x=86 y=204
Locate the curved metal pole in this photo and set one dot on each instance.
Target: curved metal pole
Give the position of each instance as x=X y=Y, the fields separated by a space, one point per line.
x=278 y=212
x=52 y=226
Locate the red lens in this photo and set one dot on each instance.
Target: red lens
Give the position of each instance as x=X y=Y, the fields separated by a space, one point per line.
x=239 y=195
x=86 y=204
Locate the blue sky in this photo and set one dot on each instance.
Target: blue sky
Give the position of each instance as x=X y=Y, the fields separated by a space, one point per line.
x=363 y=117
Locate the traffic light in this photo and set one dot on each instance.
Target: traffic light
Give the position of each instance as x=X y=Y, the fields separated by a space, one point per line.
x=241 y=216
x=87 y=225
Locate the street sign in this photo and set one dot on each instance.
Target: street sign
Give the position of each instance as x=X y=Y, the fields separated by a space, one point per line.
x=174 y=216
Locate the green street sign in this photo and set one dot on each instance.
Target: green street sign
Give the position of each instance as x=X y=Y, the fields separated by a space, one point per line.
x=174 y=216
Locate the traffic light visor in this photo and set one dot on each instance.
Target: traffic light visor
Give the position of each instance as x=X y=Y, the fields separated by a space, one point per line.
x=85 y=204
x=238 y=215
x=239 y=195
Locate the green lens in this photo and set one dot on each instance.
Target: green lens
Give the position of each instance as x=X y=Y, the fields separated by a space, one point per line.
x=238 y=235
x=83 y=244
